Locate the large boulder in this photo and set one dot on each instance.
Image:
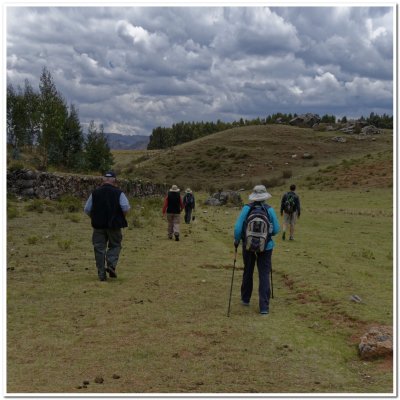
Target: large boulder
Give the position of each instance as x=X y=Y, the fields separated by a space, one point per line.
x=306 y=120
x=376 y=343
x=370 y=130
x=224 y=197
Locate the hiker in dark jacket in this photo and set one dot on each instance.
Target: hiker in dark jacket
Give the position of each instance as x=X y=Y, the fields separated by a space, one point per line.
x=263 y=258
x=189 y=204
x=107 y=207
x=173 y=206
x=290 y=209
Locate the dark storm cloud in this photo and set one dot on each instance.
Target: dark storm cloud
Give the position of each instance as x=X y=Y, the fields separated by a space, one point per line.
x=135 y=68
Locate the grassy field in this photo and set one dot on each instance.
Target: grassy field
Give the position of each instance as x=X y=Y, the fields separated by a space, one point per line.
x=162 y=325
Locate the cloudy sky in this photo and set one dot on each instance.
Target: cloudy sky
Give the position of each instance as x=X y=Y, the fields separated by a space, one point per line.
x=135 y=68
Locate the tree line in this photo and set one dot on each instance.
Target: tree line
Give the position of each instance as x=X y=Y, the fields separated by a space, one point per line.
x=41 y=122
x=162 y=137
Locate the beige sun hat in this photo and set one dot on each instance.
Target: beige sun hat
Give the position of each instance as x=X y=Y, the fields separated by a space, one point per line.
x=174 y=188
x=188 y=190
x=259 y=193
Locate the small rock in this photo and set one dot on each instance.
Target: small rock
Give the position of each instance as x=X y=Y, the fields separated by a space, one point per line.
x=99 y=379
x=86 y=382
x=115 y=376
x=355 y=298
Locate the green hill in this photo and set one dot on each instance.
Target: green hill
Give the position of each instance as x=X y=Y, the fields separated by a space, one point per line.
x=240 y=157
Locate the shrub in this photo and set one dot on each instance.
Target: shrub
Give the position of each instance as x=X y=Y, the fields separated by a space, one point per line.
x=70 y=203
x=36 y=205
x=287 y=174
x=64 y=244
x=16 y=166
x=240 y=156
x=74 y=218
x=33 y=239
x=271 y=182
x=12 y=212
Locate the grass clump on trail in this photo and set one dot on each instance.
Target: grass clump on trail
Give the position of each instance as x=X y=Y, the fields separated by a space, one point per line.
x=161 y=326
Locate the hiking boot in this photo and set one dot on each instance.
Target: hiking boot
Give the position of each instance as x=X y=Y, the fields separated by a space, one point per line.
x=283 y=235
x=111 y=272
x=264 y=312
x=103 y=279
x=291 y=238
x=245 y=303
x=177 y=238
x=170 y=237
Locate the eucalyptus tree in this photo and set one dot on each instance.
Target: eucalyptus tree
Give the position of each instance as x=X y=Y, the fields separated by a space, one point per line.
x=53 y=116
x=98 y=155
x=72 y=140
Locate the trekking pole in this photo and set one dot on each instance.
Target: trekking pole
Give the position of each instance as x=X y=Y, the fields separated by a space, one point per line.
x=233 y=273
x=272 y=286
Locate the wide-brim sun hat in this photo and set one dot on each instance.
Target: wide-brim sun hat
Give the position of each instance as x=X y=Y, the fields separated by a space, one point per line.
x=174 y=188
x=188 y=190
x=259 y=193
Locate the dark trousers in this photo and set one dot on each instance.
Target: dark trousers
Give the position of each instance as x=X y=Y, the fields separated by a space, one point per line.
x=264 y=265
x=188 y=214
x=107 y=246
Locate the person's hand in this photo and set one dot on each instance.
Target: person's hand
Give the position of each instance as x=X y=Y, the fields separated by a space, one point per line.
x=236 y=244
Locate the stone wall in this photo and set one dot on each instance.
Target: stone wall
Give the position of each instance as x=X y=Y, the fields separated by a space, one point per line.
x=30 y=183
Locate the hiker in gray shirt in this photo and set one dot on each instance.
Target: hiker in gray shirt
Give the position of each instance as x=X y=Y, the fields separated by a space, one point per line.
x=107 y=207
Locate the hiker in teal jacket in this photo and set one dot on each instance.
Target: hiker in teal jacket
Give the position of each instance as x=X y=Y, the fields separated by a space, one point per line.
x=264 y=259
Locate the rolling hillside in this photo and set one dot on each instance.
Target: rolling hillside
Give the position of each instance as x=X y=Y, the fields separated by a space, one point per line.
x=240 y=157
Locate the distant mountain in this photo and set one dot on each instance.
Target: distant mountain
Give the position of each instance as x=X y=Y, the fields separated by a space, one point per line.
x=117 y=141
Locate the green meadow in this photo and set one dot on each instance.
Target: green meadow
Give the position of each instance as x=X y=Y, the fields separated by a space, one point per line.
x=162 y=325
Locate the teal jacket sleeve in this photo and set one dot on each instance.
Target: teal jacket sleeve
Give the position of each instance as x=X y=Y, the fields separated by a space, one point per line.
x=239 y=223
x=275 y=228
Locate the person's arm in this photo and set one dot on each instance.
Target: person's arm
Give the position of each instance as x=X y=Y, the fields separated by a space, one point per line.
x=164 y=209
x=124 y=203
x=298 y=206
x=88 y=206
x=274 y=220
x=194 y=202
x=283 y=203
x=181 y=203
x=239 y=223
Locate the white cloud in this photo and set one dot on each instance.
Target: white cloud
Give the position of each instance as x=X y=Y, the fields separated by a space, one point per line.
x=142 y=67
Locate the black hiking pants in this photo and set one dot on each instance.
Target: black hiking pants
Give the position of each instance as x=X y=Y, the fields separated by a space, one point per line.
x=188 y=214
x=264 y=264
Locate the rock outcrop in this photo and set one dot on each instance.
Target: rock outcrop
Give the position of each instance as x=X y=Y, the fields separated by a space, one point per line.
x=377 y=342
x=224 y=197
x=306 y=120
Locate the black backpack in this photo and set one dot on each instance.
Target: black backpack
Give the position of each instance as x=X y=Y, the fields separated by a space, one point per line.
x=189 y=200
x=290 y=203
x=257 y=228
